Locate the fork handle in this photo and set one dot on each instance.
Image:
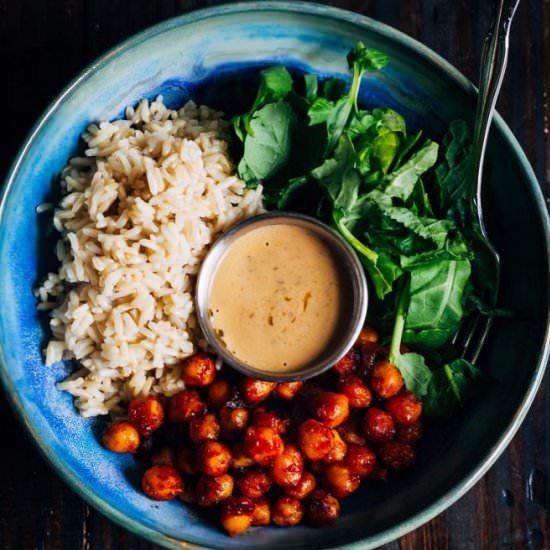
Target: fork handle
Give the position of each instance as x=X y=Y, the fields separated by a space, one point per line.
x=494 y=58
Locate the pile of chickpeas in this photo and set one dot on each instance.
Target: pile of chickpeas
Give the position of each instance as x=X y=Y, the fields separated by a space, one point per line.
x=267 y=452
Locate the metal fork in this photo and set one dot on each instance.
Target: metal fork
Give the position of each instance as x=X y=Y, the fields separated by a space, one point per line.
x=474 y=330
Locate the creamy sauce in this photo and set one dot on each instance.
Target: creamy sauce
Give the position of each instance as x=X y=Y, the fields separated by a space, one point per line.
x=277 y=298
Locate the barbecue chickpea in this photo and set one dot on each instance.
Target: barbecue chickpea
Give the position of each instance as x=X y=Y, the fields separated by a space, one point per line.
x=121 y=437
x=262 y=444
x=359 y=396
x=236 y=514
x=184 y=406
x=314 y=439
x=270 y=419
x=304 y=487
x=233 y=421
x=198 y=370
x=219 y=393
x=385 y=379
x=262 y=512
x=378 y=425
x=255 y=390
x=287 y=511
x=348 y=363
x=213 y=458
x=288 y=467
x=409 y=433
x=405 y=407
x=396 y=455
x=162 y=483
x=239 y=458
x=146 y=414
x=186 y=462
x=212 y=490
x=204 y=428
x=351 y=432
x=288 y=390
x=332 y=409
x=322 y=509
x=253 y=483
x=339 y=480
x=165 y=456
x=368 y=334
x=338 y=448
x=360 y=460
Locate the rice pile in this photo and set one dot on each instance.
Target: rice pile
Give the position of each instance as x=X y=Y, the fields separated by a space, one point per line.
x=137 y=216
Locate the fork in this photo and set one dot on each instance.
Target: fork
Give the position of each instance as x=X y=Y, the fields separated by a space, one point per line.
x=473 y=333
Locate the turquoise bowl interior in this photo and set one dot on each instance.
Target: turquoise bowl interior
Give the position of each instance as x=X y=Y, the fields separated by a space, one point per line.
x=198 y=56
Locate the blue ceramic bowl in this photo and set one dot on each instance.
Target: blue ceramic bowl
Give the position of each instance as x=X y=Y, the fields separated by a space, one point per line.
x=196 y=56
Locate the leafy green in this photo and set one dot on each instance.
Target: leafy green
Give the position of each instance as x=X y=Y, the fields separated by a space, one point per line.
x=400 y=201
x=268 y=148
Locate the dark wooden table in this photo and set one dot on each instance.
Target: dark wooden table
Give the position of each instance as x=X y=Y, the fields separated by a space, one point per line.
x=44 y=43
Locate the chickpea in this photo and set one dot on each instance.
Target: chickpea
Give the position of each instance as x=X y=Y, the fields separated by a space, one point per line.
x=212 y=490
x=368 y=334
x=314 y=439
x=357 y=392
x=288 y=390
x=288 y=467
x=213 y=458
x=385 y=379
x=270 y=419
x=186 y=462
x=162 y=483
x=351 y=433
x=378 y=425
x=396 y=455
x=304 y=487
x=236 y=514
x=239 y=458
x=287 y=511
x=262 y=512
x=338 y=448
x=262 y=444
x=253 y=483
x=219 y=393
x=349 y=363
x=405 y=407
x=146 y=414
x=255 y=390
x=360 y=460
x=198 y=370
x=184 y=406
x=340 y=481
x=233 y=421
x=371 y=352
x=165 y=456
x=409 y=433
x=322 y=509
x=204 y=428
x=332 y=409
x=121 y=437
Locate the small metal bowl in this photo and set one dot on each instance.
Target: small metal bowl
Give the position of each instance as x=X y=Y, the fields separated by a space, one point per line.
x=349 y=262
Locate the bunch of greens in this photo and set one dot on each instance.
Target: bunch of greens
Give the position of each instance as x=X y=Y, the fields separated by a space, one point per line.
x=400 y=200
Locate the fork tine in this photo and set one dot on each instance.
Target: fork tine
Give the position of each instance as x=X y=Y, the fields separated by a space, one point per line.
x=478 y=343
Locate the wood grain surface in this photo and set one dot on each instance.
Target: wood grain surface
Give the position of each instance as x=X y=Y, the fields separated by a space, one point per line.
x=44 y=43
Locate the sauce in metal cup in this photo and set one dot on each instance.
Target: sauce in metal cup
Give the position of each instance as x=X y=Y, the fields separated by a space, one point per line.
x=281 y=296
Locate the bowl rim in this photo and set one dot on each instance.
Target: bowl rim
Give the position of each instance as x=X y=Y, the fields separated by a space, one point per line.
x=428 y=56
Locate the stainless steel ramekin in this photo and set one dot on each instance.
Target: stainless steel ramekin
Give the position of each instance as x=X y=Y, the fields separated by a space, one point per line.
x=351 y=266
